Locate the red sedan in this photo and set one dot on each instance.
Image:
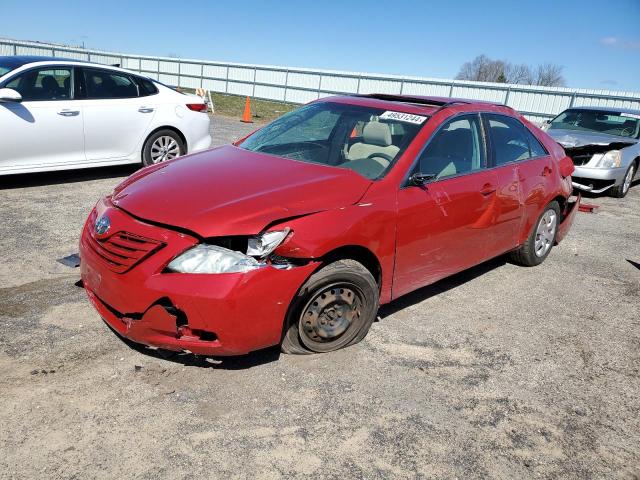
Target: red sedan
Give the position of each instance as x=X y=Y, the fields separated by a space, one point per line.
x=296 y=234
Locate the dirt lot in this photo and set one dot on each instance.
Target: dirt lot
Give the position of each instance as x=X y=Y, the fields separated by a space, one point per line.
x=500 y=372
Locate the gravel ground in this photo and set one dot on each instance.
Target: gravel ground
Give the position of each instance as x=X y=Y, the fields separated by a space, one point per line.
x=499 y=372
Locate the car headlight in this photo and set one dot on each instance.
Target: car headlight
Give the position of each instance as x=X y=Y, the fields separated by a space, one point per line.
x=265 y=243
x=611 y=159
x=204 y=258
x=207 y=258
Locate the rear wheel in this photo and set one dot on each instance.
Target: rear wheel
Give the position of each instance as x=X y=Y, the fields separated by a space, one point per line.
x=162 y=146
x=541 y=239
x=333 y=309
x=621 y=190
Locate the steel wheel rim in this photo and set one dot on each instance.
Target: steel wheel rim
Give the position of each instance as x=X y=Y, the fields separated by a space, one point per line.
x=545 y=233
x=164 y=148
x=627 y=180
x=327 y=320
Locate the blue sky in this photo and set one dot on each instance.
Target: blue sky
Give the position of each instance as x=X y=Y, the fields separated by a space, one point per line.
x=597 y=42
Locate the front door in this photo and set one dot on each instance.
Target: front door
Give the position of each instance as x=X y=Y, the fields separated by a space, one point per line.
x=46 y=128
x=446 y=225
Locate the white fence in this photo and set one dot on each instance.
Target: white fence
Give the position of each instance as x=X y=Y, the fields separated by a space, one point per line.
x=301 y=85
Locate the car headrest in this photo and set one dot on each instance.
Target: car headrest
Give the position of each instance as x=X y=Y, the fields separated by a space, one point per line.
x=49 y=83
x=376 y=133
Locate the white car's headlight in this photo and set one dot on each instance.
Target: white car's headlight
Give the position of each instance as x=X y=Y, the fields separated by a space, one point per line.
x=262 y=245
x=611 y=159
x=205 y=258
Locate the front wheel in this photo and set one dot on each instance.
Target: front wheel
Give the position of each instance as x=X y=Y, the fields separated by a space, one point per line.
x=621 y=190
x=541 y=239
x=333 y=309
x=162 y=146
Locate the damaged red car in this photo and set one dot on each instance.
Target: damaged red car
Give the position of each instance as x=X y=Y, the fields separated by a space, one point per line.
x=296 y=234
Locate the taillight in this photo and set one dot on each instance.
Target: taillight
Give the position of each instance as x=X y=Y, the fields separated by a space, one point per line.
x=197 y=107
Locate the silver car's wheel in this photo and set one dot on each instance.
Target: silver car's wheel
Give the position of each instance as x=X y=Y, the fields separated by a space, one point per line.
x=545 y=233
x=627 y=180
x=621 y=190
x=164 y=148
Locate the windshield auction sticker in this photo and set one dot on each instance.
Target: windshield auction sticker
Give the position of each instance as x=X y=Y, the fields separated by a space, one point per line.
x=403 y=117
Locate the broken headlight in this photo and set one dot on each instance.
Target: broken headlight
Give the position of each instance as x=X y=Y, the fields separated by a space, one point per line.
x=204 y=258
x=265 y=243
x=611 y=159
x=210 y=258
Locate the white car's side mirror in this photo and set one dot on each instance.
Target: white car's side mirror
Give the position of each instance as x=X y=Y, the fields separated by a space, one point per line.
x=9 y=95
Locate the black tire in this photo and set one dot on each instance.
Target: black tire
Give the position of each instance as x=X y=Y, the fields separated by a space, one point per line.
x=620 y=191
x=151 y=142
x=526 y=255
x=333 y=309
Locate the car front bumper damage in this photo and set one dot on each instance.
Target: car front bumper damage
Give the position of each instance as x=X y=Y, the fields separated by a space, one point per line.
x=597 y=180
x=206 y=314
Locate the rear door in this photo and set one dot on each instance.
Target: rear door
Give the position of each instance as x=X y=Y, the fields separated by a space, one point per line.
x=446 y=225
x=115 y=117
x=46 y=128
x=519 y=157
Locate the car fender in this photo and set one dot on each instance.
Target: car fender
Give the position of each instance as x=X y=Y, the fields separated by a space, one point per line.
x=366 y=225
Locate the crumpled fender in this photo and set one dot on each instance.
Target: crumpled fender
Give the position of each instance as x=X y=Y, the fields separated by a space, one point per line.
x=362 y=225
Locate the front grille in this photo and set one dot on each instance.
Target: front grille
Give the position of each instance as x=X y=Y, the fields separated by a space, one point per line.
x=122 y=250
x=581 y=159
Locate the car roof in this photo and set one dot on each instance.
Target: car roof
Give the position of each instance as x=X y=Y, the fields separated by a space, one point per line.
x=20 y=60
x=17 y=61
x=607 y=109
x=418 y=104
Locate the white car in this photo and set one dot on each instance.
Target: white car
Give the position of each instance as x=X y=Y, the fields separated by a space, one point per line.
x=58 y=114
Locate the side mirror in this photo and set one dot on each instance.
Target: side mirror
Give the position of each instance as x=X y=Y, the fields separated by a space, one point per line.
x=566 y=167
x=418 y=179
x=9 y=95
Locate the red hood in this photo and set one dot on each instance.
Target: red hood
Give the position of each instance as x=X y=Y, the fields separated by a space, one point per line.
x=231 y=191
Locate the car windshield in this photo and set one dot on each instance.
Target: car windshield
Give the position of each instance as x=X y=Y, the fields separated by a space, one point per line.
x=602 y=121
x=366 y=140
x=10 y=63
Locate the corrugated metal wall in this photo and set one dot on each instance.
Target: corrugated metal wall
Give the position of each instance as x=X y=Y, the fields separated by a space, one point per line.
x=298 y=85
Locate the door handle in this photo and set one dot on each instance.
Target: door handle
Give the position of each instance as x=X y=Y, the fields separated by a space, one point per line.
x=145 y=109
x=487 y=189
x=546 y=172
x=69 y=113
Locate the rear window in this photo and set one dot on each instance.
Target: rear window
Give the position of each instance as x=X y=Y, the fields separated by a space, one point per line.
x=108 y=84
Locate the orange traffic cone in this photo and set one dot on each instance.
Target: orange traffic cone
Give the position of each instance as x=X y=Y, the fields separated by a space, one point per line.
x=246 y=116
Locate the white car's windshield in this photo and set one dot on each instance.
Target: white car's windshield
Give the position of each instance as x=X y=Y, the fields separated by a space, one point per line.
x=366 y=140
x=602 y=121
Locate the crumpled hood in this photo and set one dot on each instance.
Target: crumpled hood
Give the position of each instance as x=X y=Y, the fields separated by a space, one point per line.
x=231 y=191
x=575 y=138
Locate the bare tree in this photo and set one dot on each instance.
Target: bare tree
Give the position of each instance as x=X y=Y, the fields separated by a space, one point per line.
x=520 y=74
x=485 y=69
x=482 y=69
x=549 y=75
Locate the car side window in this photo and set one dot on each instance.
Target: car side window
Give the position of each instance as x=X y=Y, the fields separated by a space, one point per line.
x=511 y=141
x=146 y=87
x=455 y=149
x=103 y=84
x=537 y=150
x=43 y=84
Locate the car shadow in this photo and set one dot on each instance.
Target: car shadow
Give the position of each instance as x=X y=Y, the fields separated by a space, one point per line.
x=239 y=362
x=441 y=286
x=272 y=354
x=39 y=179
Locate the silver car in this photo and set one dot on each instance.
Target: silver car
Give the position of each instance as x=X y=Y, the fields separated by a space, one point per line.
x=604 y=144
